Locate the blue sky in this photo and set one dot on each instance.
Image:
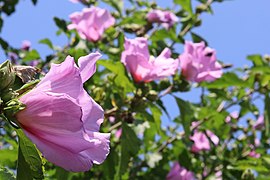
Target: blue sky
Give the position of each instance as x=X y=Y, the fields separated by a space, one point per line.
x=237 y=28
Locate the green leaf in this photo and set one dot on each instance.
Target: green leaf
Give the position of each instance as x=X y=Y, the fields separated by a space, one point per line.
x=130 y=145
x=29 y=160
x=60 y=23
x=117 y=4
x=186 y=114
x=256 y=59
x=61 y=173
x=137 y=18
x=47 y=42
x=156 y=113
x=162 y=34
x=186 y=5
x=34 y=2
x=227 y=79
x=251 y=163
x=8 y=156
x=6 y=174
x=109 y=166
x=118 y=69
x=1 y=23
x=184 y=159
x=197 y=39
x=31 y=55
x=4 y=44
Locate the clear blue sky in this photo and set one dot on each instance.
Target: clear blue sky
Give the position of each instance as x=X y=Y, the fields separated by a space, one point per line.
x=237 y=28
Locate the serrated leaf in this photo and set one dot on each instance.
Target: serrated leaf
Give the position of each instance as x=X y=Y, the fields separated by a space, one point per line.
x=29 y=160
x=6 y=174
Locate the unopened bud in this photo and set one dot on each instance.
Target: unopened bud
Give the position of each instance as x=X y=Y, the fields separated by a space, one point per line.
x=7 y=76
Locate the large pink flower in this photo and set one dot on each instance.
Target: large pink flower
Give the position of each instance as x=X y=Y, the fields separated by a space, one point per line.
x=91 y=22
x=166 y=18
x=180 y=173
x=63 y=120
x=142 y=66
x=198 y=63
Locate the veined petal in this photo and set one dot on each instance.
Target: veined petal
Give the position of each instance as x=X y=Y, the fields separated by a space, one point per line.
x=100 y=146
x=54 y=117
x=92 y=112
x=62 y=157
x=87 y=65
x=62 y=78
x=138 y=66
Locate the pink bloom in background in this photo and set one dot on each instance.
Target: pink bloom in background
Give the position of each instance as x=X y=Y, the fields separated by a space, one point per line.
x=118 y=133
x=257 y=142
x=199 y=63
x=166 y=18
x=234 y=115
x=201 y=141
x=33 y=63
x=13 y=57
x=26 y=45
x=179 y=173
x=218 y=175
x=63 y=120
x=259 y=124
x=142 y=66
x=91 y=22
x=254 y=154
x=111 y=119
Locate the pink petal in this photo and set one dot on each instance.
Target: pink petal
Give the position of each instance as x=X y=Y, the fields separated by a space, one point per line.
x=54 y=117
x=87 y=65
x=92 y=112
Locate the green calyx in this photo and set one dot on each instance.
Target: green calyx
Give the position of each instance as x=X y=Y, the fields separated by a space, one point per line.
x=12 y=107
x=7 y=77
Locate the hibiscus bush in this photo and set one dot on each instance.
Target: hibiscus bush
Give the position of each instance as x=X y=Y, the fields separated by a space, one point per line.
x=97 y=108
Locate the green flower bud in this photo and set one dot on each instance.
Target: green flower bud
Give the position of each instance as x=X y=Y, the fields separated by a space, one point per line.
x=11 y=108
x=7 y=76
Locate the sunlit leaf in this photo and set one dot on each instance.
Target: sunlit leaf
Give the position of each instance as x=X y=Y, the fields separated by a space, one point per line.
x=29 y=161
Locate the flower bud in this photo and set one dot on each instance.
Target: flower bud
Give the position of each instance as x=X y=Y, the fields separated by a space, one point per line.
x=7 y=76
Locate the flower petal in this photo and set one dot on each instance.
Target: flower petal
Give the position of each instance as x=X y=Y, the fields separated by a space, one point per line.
x=54 y=117
x=87 y=65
